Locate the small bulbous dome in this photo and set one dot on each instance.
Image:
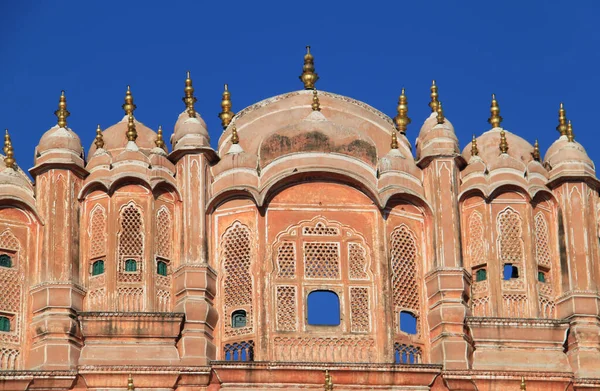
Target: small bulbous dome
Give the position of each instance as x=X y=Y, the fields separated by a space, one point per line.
x=436 y=139
x=564 y=152
x=58 y=138
x=190 y=132
x=115 y=138
x=488 y=145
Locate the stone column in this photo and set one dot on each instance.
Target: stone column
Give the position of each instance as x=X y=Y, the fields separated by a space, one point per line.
x=195 y=280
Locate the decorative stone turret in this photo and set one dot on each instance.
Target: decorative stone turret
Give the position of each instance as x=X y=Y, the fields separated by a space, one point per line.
x=58 y=296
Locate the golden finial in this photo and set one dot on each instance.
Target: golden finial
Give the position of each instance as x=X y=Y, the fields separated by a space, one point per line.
x=128 y=106
x=328 y=381
x=316 y=106
x=503 y=143
x=536 y=152
x=562 y=120
x=226 y=114
x=159 y=138
x=434 y=97
x=308 y=76
x=130 y=386
x=440 y=113
x=9 y=160
x=131 y=131
x=570 y=134
x=234 y=136
x=189 y=99
x=474 y=150
x=523 y=386
x=394 y=143
x=62 y=112
x=99 y=139
x=402 y=119
x=495 y=118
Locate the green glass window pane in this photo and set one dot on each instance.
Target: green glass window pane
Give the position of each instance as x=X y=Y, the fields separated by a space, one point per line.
x=541 y=277
x=4 y=324
x=238 y=318
x=130 y=265
x=481 y=275
x=161 y=268
x=98 y=268
x=5 y=260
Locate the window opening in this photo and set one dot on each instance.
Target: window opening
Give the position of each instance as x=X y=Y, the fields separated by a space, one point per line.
x=5 y=260
x=238 y=319
x=98 y=268
x=480 y=275
x=541 y=277
x=130 y=265
x=4 y=324
x=323 y=308
x=408 y=322
x=510 y=271
x=161 y=268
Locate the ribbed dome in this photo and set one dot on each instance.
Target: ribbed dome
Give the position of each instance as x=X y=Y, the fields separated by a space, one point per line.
x=190 y=132
x=488 y=145
x=436 y=139
x=115 y=138
x=562 y=152
x=58 y=138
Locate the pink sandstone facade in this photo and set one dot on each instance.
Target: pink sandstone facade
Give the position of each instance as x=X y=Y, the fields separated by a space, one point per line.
x=192 y=270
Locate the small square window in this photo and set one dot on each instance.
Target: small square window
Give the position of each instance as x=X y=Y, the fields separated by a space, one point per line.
x=510 y=271
x=541 y=276
x=480 y=275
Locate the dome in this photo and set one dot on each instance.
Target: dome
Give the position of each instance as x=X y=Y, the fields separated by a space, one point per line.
x=58 y=138
x=115 y=138
x=436 y=139
x=488 y=146
x=190 y=132
x=569 y=155
x=287 y=125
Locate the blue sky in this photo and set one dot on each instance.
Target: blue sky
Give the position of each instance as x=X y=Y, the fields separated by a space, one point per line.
x=532 y=54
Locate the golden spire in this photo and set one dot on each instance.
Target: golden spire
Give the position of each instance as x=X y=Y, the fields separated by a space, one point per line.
x=316 y=106
x=308 y=76
x=99 y=139
x=536 y=151
x=62 y=112
x=130 y=386
x=9 y=160
x=226 y=114
x=474 y=150
x=189 y=99
x=328 y=381
x=523 y=386
x=402 y=119
x=503 y=143
x=160 y=143
x=570 y=134
x=440 y=113
x=131 y=132
x=562 y=120
x=234 y=136
x=129 y=106
x=434 y=97
x=394 y=143
x=495 y=118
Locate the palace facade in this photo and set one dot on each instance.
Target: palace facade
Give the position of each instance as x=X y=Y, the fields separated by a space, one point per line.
x=312 y=238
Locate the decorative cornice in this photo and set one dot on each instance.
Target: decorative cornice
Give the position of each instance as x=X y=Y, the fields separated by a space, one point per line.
x=320 y=366
x=90 y=314
x=496 y=321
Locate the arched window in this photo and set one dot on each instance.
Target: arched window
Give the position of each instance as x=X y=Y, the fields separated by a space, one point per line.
x=238 y=319
x=5 y=260
x=408 y=322
x=130 y=265
x=323 y=308
x=161 y=268
x=4 y=324
x=98 y=268
x=480 y=275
